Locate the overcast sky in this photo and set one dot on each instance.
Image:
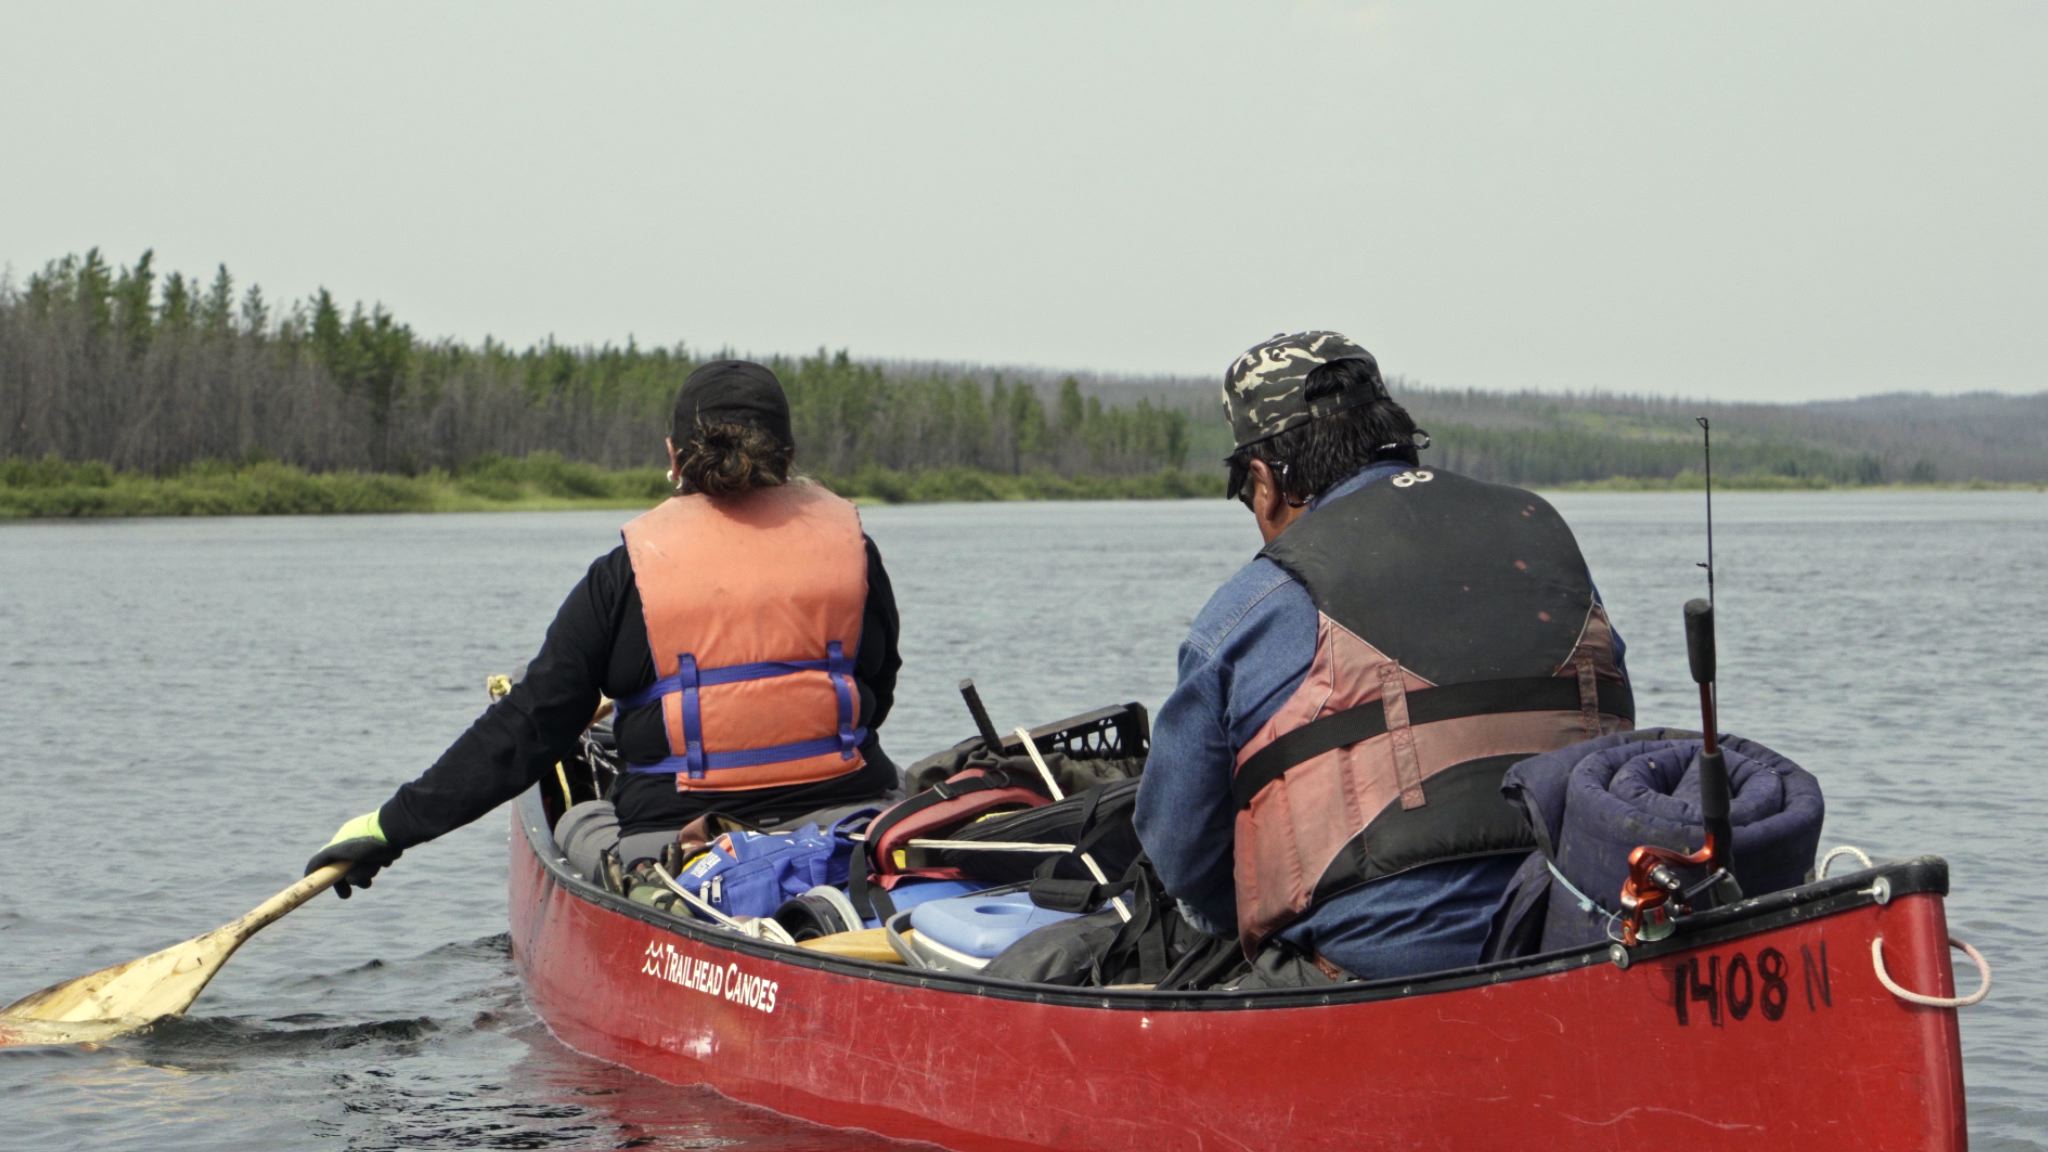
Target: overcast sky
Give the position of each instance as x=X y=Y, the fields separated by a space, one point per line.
x=1761 y=200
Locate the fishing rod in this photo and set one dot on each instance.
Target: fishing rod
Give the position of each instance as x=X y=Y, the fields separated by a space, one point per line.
x=1699 y=652
x=1654 y=891
x=1707 y=456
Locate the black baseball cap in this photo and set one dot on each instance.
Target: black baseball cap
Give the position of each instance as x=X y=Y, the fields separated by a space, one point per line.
x=733 y=392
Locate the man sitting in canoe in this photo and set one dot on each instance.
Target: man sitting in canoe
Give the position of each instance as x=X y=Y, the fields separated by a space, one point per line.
x=1325 y=777
x=745 y=627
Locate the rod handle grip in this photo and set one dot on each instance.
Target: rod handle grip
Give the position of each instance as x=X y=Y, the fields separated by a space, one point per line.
x=1713 y=788
x=1699 y=639
x=982 y=724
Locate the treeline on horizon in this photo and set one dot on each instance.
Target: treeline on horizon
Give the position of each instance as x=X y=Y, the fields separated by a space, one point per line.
x=154 y=374
x=1549 y=439
x=151 y=374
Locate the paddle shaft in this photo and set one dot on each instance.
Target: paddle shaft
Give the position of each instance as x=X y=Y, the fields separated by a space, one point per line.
x=311 y=885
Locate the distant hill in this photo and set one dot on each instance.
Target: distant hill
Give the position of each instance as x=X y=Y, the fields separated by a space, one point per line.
x=1891 y=439
x=1552 y=438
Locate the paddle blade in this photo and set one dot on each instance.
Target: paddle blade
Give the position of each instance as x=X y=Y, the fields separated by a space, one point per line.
x=129 y=996
x=860 y=944
x=157 y=985
x=44 y=1033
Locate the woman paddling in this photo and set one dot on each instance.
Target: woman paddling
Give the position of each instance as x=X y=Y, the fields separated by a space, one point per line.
x=746 y=629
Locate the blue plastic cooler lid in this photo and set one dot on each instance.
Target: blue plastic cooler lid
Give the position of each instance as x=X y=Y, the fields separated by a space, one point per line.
x=981 y=925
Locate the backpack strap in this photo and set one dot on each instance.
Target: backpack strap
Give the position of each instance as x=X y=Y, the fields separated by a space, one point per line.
x=1079 y=893
x=1143 y=935
x=1211 y=962
x=870 y=900
x=943 y=792
x=1070 y=893
x=866 y=883
x=1154 y=933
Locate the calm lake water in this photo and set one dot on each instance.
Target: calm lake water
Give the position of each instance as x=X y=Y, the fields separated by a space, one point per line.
x=189 y=708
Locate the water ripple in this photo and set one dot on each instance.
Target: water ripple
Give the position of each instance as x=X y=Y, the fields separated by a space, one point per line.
x=1892 y=643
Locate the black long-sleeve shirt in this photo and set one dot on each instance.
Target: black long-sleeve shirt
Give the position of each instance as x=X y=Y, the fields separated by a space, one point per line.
x=598 y=643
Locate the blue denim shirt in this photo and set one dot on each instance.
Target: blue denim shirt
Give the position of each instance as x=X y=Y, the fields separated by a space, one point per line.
x=1248 y=651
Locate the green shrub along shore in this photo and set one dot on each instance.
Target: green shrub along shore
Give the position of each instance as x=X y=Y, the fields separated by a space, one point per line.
x=51 y=488
x=54 y=489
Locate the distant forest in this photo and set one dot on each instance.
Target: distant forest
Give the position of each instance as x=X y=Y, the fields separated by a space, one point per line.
x=154 y=373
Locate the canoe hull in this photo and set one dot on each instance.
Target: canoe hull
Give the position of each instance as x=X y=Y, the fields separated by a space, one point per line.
x=1775 y=1037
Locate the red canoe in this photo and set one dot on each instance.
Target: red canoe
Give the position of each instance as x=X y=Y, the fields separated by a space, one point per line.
x=1762 y=1025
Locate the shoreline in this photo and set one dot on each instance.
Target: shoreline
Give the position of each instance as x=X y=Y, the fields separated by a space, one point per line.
x=56 y=490
x=53 y=490
x=1640 y=484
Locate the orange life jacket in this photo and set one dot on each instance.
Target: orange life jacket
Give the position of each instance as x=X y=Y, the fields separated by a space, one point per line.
x=1458 y=632
x=753 y=608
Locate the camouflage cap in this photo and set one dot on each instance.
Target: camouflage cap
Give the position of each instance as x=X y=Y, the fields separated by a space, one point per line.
x=1263 y=390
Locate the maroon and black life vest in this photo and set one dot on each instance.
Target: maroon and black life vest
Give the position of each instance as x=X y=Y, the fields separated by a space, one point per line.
x=1457 y=632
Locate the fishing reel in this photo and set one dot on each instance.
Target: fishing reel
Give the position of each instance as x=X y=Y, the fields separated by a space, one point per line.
x=1655 y=894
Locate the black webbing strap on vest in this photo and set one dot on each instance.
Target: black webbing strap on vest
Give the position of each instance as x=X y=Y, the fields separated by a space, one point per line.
x=1425 y=706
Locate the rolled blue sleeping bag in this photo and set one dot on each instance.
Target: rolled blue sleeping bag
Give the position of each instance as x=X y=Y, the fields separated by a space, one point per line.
x=1593 y=803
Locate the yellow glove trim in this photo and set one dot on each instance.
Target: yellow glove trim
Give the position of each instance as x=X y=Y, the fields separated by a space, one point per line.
x=361 y=826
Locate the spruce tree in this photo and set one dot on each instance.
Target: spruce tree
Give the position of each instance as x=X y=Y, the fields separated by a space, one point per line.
x=255 y=312
x=1073 y=412
x=134 y=289
x=217 y=310
x=174 y=314
x=95 y=291
x=329 y=345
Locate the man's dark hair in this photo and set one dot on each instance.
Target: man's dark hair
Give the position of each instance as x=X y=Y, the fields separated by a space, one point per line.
x=1312 y=458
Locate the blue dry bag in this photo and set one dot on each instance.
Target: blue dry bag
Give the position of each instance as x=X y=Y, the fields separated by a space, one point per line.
x=752 y=873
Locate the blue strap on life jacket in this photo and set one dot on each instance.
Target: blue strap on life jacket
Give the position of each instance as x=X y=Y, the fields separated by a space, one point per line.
x=688 y=679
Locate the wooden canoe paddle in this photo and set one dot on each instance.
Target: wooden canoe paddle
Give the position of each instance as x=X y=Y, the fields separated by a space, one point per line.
x=128 y=996
x=859 y=944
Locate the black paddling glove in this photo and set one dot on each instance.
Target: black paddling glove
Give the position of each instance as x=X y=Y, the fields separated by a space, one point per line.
x=359 y=843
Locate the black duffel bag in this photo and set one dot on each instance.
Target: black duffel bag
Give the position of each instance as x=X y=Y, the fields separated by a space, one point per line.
x=1157 y=947
x=1098 y=821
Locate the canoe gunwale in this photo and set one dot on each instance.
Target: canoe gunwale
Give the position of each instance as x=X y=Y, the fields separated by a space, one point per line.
x=1835 y=894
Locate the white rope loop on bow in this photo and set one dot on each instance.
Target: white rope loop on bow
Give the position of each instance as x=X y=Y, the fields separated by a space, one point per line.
x=1892 y=986
x=1837 y=853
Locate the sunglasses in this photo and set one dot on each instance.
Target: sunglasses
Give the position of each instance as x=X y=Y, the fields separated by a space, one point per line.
x=1236 y=488
x=1240 y=470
